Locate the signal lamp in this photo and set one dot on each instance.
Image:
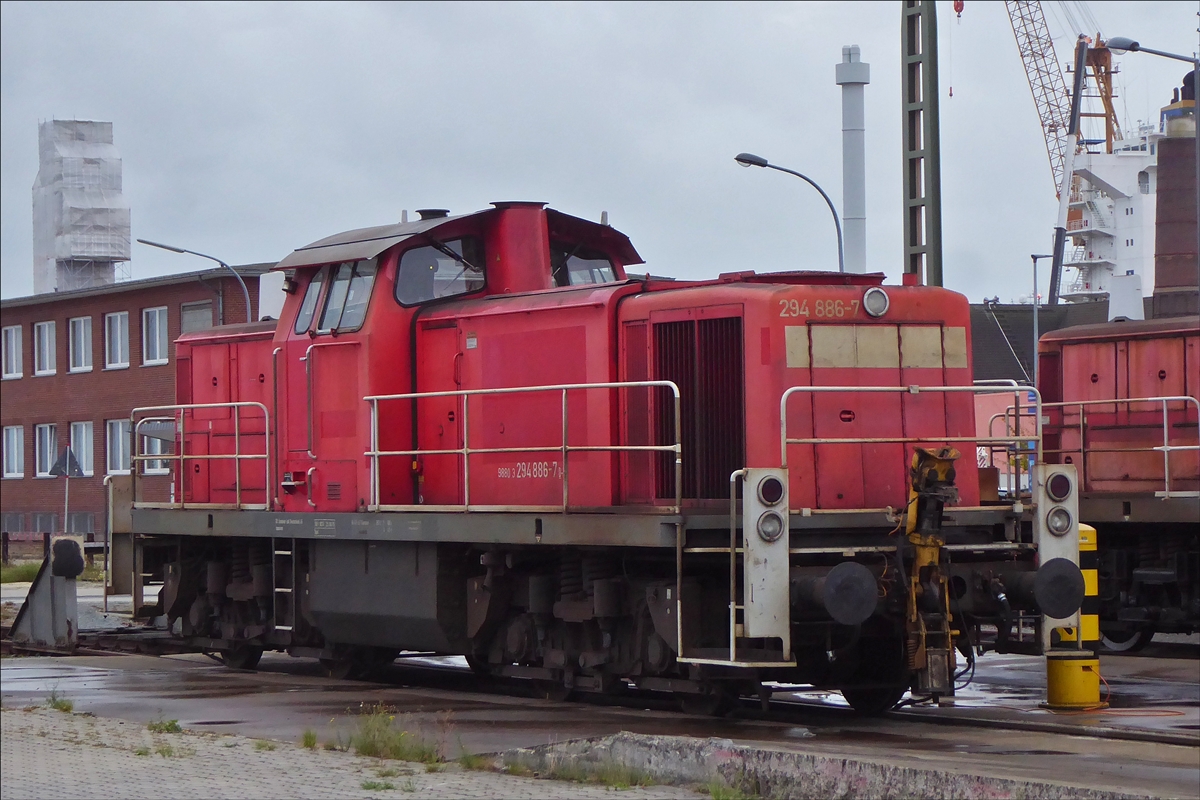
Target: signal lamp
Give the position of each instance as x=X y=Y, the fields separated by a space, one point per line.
x=770 y=490
x=770 y=526
x=1058 y=521
x=875 y=301
x=1058 y=487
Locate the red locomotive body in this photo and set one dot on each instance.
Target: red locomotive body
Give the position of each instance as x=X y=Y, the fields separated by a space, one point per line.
x=479 y=435
x=1138 y=462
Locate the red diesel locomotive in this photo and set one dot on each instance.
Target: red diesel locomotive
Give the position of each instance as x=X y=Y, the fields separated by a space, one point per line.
x=1121 y=405
x=479 y=435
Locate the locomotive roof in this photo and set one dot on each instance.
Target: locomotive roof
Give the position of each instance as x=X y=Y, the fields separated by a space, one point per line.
x=365 y=243
x=1111 y=330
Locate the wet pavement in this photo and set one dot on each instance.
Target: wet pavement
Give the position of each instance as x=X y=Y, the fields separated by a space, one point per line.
x=1010 y=736
x=286 y=696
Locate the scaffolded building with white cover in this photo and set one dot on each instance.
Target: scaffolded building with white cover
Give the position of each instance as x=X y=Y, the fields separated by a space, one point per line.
x=81 y=231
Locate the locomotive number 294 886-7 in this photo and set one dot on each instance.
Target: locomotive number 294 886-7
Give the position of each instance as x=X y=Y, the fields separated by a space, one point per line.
x=531 y=469
x=818 y=308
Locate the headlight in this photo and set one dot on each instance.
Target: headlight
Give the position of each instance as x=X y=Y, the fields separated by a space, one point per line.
x=875 y=301
x=770 y=491
x=1058 y=487
x=1058 y=521
x=770 y=526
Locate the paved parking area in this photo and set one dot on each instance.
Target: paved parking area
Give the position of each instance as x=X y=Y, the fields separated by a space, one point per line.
x=54 y=755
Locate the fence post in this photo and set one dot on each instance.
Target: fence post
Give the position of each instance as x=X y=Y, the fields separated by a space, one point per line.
x=4 y=546
x=46 y=544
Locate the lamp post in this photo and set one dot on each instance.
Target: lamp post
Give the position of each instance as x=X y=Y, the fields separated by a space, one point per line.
x=1123 y=44
x=1035 y=258
x=174 y=249
x=751 y=160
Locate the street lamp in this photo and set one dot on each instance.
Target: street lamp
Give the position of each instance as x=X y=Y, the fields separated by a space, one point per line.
x=174 y=249
x=751 y=160
x=1035 y=258
x=1123 y=44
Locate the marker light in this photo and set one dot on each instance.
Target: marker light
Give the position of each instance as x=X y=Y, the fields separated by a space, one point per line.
x=1058 y=521
x=770 y=526
x=1058 y=487
x=770 y=491
x=875 y=301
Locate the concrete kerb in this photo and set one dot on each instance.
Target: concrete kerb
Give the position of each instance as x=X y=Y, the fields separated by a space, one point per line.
x=769 y=772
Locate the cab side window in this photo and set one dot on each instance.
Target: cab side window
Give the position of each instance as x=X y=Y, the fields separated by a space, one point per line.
x=577 y=265
x=453 y=268
x=309 y=306
x=349 y=293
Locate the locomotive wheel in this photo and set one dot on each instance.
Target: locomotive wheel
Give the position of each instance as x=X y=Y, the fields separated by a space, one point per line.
x=1127 y=641
x=875 y=700
x=242 y=656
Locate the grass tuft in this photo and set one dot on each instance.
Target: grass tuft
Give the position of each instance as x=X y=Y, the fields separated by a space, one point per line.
x=719 y=790
x=378 y=737
x=165 y=726
x=59 y=703
x=309 y=739
x=475 y=762
x=141 y=751
x=377 y=785
x=165 y=750
x=263 y=744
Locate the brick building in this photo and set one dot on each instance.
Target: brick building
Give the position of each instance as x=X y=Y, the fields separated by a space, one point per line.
x=75 y=363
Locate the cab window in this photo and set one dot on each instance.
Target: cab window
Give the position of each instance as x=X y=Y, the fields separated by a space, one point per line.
x=577 y=265
x=309 y=306
x=349 y=293
x=443 y=269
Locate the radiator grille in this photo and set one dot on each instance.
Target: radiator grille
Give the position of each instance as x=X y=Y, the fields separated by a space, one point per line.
x=333 y=491
x=704 y=358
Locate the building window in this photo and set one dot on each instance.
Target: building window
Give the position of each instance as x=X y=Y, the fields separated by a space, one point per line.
x=45 y=523
x=81 y=445
x=118 y=446
x=116 y=340
x=14 y=451
x=195 y=316
x=81 y=522
x=43 y=348
x=154 y=336
x=13 y=523
x=155 y=447
x=12 y=352
x=81 y=344
x=45 y=448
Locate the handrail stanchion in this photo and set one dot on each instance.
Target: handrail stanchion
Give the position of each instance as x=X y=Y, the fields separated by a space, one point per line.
x=566 y=473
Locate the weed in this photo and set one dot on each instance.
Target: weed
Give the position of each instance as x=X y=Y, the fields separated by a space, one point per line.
x=19 y=573
x=263 y=744
x=608 y=773
x=165 y=750
x=376 y=785
x=408 y=786
x=142 y=751
x=434 y=767
x=472 y=761
x=309 y=739
x=59 y=703
x=165 y=726
x=391 y=772
x=519 y=770
x=376 y=737
x=231 y=744
x=720 y=790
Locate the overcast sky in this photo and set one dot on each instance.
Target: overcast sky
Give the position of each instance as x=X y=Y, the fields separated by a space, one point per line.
x=248 y=130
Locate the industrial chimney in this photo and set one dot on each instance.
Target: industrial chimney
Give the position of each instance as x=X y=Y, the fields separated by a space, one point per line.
x=852 y=75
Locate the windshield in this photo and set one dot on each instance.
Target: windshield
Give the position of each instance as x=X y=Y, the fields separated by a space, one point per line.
x=443 y=269
x=577 y=265
x=346 y=305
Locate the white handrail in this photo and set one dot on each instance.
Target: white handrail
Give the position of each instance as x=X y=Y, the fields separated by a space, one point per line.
x=179 y=414
x=998 y=388
x=466 y=451
x=1166 y=448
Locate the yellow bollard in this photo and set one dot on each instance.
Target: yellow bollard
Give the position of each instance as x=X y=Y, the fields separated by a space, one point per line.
x=1072 y=680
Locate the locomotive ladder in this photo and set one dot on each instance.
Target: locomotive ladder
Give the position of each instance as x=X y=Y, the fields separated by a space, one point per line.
x=283 y=595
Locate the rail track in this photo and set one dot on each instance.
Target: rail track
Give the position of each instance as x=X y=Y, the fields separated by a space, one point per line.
x=430 y=670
